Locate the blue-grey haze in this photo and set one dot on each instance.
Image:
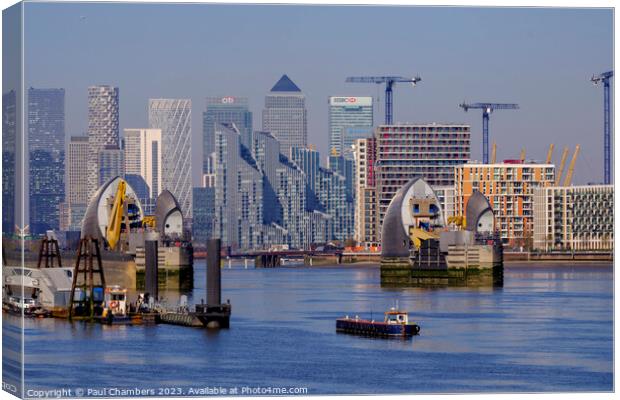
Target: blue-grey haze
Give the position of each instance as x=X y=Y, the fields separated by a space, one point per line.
x=538 y=57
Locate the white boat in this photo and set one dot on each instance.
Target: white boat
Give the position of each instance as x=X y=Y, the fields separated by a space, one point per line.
x=35 y=290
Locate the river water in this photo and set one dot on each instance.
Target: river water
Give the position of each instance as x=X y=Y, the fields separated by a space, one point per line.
x=550 y=328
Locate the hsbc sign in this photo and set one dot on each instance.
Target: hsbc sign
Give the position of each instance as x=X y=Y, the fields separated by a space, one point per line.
x=350 y=101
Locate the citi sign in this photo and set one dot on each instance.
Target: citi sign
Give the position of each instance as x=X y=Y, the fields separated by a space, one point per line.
x=228 y=100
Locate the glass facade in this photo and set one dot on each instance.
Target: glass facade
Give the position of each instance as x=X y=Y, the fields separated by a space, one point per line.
x=46 y=147
x=350 y=118
x=226 y=109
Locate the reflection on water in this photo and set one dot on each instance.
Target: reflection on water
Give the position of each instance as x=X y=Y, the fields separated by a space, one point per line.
x=547 y=329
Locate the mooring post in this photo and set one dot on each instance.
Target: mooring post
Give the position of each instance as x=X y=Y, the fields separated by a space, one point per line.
x=151 y=266
x=214 y=273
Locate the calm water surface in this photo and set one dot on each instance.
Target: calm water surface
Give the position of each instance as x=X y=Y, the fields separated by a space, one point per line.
x=550 y=328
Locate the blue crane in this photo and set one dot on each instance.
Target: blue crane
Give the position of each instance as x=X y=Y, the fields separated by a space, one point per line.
x=487 y=109
x=596 y=79
x=389 y=82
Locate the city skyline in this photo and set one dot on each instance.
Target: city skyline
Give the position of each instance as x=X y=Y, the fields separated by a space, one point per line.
x=546 y=69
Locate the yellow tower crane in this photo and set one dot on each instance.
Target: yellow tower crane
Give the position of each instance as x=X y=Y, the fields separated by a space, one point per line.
x=558 y=178
x=523 y=154
x=493 y=153
x=571 y=167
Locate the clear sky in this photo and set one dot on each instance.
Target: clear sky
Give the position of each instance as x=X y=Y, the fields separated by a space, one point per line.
x=540 y=58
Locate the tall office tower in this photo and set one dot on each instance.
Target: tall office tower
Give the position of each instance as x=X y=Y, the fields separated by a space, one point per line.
x=143 y=161
x=574 y=218
x=509 y=186
x=111 y=163
x=365 y=218
x=9 y=142
x=348 y=116
x=238 y=192
x=76 y=184
x=326 y=192
x=430 y=151
x=102 y=127
x=285 y=115
x=76 y=179
x=173 y=117
x=46 y=147
x=220 y=110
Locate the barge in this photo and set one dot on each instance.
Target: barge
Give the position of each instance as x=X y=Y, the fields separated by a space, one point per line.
x=395 y=324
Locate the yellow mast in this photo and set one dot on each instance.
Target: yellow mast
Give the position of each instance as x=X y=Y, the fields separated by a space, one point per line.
x=550 y=153
x=493 y=153
x=558 y=177
x=571 y=167
x=523 y=154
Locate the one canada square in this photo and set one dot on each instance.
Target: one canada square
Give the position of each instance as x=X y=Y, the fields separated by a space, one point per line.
x=285 y=115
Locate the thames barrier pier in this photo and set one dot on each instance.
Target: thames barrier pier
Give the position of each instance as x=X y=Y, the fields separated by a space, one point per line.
x=420 y=248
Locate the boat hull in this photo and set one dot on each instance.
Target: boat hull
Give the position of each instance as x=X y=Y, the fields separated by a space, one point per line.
x=379 y=329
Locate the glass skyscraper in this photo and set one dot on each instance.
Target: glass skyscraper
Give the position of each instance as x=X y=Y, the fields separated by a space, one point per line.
x=173 y=117
x=285 y=115
x=224 y=109
x=9 y=137
x=350 y=118
x=102 y=127
x=46 y=148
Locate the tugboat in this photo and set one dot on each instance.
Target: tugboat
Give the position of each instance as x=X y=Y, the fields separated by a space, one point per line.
x=116 y=311
x=395 y=324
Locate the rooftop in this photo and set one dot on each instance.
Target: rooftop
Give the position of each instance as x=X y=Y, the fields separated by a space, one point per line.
x=285 y=84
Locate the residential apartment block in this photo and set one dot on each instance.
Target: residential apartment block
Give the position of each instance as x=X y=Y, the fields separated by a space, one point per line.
x=574 y=218
x=510 y=187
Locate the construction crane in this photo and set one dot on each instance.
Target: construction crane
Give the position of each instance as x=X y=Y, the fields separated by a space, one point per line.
x=389 y=82
x=596 y=79
x=558 y=178
x=494 y=153
x=487 y=109
x=550 y=153
x=522 y=157
x=571 y=167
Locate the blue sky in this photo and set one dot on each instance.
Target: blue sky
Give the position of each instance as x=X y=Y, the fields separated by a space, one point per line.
x=540 y=58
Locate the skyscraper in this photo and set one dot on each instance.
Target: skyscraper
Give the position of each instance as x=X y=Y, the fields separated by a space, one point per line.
x=285 y=115
x=76 y=184
x=111 y=163
x=173 y=117
x=226 y=109
x=348 y=112
x=46 y=147
x=143 y=157
x=76 y=181
x=9 y=142
x=102 y=128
